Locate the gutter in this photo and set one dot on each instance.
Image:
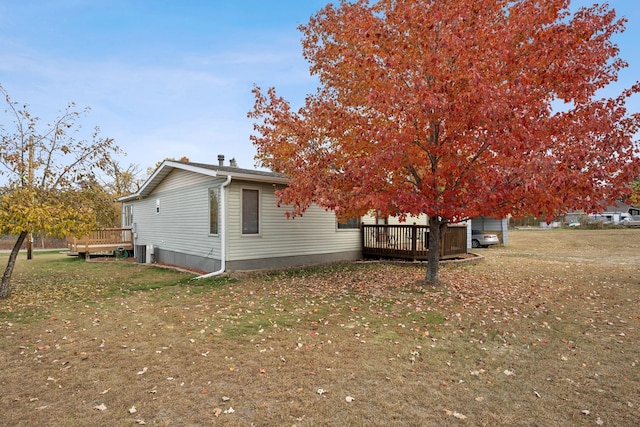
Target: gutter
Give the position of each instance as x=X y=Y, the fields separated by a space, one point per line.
x=223 y=235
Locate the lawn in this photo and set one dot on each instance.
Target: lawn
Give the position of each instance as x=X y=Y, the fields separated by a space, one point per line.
x=543 y=332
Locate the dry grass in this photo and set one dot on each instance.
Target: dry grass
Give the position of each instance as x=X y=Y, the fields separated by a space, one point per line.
x=545 y=332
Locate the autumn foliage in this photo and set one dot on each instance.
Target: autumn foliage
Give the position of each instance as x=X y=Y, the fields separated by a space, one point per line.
x=47 y=177
x=454 y=109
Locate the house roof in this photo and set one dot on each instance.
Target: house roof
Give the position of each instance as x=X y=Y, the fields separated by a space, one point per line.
x=205 y=169
x=619 y=207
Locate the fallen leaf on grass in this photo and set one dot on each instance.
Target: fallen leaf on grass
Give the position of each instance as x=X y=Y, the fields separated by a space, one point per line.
x=144 y=370
x=321 y=391
x=456 y=414
x=229 y=411
x=133 y=410
x=217 y=412
x=349 y=399
x=101 y=407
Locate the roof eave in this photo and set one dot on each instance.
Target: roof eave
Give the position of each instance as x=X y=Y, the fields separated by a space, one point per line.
x=161 y=173
x=168 y=165
x=255 y=178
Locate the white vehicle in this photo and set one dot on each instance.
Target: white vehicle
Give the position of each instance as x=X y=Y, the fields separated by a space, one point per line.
x=480 y=239
x=631 y=221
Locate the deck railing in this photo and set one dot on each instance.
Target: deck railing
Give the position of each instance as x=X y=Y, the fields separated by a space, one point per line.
x=411 y=241
x=104 y=240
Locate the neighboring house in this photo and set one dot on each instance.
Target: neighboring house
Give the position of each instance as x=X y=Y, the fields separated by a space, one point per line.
x=215 y=218
x=617 y=213
x=613 y=214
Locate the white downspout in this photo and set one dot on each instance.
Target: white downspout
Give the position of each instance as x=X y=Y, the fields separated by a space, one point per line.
x=223 y=233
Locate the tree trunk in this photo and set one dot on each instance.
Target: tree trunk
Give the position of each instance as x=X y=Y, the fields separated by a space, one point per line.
x=436 y=228
x=5 y=286
x=29 y=246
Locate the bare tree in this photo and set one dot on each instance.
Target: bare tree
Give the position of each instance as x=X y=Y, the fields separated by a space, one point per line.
x=43 y=168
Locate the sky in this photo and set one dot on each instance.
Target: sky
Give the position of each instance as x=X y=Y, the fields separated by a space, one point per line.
x=172 y=79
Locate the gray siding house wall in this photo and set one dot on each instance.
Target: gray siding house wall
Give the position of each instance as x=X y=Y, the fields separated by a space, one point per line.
x=170 y=213
x=312 y=238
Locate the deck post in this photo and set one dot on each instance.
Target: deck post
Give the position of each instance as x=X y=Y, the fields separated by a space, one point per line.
x=414 y=241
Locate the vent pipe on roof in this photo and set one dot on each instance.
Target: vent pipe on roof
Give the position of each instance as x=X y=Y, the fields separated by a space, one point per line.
x=221 y=159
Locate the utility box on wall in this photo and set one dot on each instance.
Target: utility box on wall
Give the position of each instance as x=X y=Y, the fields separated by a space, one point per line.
x=150 y=254
x=140 y=253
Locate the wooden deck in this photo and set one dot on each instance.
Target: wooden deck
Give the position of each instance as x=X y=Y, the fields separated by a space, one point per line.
x=105 y=240
x=410 y=241
x=378 y=241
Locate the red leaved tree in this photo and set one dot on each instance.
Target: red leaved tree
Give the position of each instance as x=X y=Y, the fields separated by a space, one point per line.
x=454 y=109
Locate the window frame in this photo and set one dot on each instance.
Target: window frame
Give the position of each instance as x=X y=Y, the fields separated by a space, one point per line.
x=127 y=215
x=348 y=226
x=258 y=193
x=217 y=209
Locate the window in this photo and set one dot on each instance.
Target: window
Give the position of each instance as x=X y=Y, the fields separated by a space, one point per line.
x=250 y=211
x=352 y=223
x=127 y=216
x=214 y=210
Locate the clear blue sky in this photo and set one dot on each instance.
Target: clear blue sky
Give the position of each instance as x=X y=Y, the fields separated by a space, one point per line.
x=170 y=78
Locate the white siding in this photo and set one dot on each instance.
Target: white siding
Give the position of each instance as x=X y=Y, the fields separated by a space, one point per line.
x=394 y=220
x=181 y=228
x=313 y=233
x=182 y=225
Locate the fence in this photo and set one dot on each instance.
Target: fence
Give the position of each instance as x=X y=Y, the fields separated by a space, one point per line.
x=411 y=241
x=104 y=240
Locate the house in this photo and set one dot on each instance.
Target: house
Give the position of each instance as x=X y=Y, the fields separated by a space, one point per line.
x=612 y=214
x=217 y=218
x=616 y=213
